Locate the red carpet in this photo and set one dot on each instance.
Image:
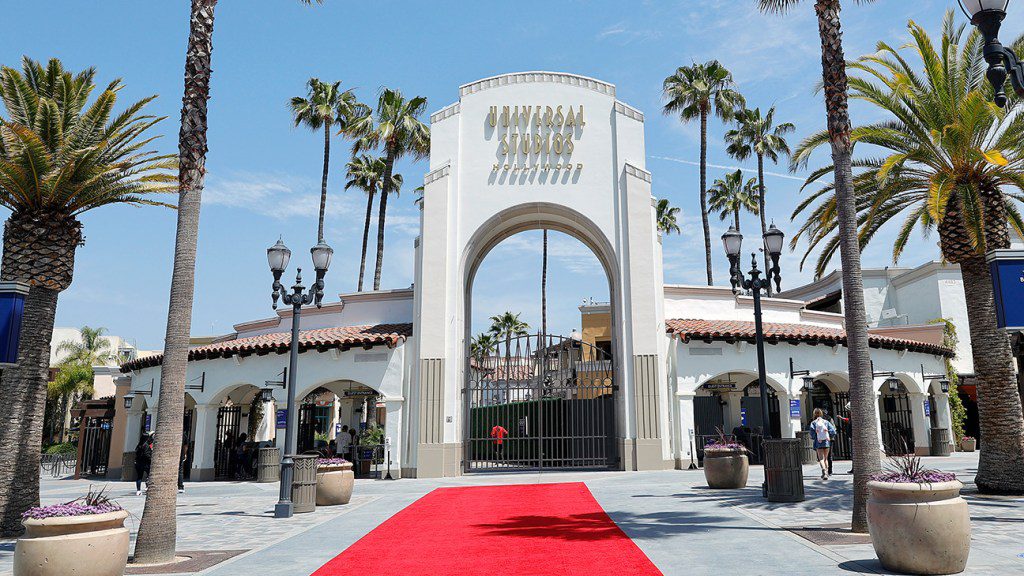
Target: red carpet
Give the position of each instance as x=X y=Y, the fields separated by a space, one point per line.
x=529 y=529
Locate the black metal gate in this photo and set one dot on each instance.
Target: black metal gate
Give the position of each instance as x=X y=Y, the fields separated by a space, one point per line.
x=708 y=419
x=897 y=423
x=540 y=402
x=307 y=428
x=229 y=419
x=843 y=447
x=95 y=439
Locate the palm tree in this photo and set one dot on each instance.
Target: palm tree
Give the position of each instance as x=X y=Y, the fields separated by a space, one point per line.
x=366 y=173
x=731 y=195
x=324 y=107
x=74 y=380
x=866 y=454
x=396 y=127
x=506 y=326
x=483 y=346
x=60 y=156
x=158 y=528
x=953 y=161
x=757 y=135
x=93 y=350
x=544 y=286
x=665 y=217
x=696 y=92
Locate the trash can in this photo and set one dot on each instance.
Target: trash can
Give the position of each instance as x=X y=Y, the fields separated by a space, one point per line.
x=304 y=484
x=783 y=470
x=268 y=465
x=941 y=444
x=808 y=454
x=128 y=467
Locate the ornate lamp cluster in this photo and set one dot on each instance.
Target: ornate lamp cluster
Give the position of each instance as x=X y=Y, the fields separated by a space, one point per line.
x=773 y=242
x=987 y=16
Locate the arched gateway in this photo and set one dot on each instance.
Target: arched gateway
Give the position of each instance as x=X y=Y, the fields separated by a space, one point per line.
x=526 y=151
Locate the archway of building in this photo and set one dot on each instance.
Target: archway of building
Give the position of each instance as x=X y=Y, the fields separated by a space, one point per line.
x=730 y=403
x=329 y=410
x=543 y=399
x=239 y=414
x=831 y=393
x=897 y=414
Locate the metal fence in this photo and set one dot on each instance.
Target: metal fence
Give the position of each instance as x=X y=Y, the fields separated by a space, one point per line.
x=58 y=465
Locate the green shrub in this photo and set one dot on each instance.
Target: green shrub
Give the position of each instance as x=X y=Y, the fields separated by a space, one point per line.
x=62 y=448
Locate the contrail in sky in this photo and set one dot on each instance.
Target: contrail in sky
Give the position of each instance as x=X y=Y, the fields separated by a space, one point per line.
x=753 y=170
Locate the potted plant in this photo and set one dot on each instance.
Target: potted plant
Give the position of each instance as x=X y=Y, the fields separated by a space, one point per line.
x=86 y=537
x=334 y=481
x=918 y=521
x=725 y=463
x=968 y=444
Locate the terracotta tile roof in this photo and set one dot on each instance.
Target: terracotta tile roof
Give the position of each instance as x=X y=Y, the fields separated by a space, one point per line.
x=732 y=330
x=342 y=337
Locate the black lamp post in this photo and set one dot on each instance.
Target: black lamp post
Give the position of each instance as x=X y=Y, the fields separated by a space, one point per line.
x=278 y=256
x=987 y=16
x=773 y=241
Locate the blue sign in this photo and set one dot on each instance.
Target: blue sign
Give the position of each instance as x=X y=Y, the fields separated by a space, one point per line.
x=927 y=407
x=794 y=408
x=743 y=416
x=12 y=307
x=149 y=422
x=1007 y=267
x=282 y=418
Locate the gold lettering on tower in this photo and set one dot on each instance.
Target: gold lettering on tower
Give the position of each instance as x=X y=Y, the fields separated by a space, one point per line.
x=492 y=118
x=536 y=137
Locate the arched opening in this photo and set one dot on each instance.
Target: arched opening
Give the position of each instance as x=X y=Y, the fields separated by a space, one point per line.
x=831 y=393
x=344 y=418
x=896 y=417
x=234 y=451
x=540 y=366
x=731 y=403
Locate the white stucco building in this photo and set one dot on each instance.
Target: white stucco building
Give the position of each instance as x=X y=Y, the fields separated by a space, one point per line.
x=518 y=152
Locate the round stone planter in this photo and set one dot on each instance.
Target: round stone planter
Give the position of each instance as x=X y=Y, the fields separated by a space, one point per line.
x=334 y=484
x=88 y=545
x=727 y=470
x=968 y=444
x=919 y=528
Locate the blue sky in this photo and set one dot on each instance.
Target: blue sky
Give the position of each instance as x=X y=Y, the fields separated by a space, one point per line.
x=264 y=174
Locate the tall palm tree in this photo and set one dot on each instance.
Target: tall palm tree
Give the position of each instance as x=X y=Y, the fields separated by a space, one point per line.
x=731 y=195
x=866 y=454
x=665 y=217
x=158 y=528
x=395 y=127
x=696 y=92
x=757 y=135
x=544 y=286
x=60 y=155
x=326 y=105
x=506 y=326
x=366 y=173
x=953 y=161
x=74 y=380
x=93 y=350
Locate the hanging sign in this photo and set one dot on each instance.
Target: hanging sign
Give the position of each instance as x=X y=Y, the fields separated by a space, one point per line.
x=12 y=307
x=357 y=393
x=927 y=408
x=794 y=408
x=719 y=386
x=1007 y=268
x=282 y=418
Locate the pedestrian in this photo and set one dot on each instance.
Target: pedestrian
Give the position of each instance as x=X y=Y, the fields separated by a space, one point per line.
x=143 y=460
x=822 y=431
x=831 y=439
x=498 y=432
x=344 y=441
x=181 y=465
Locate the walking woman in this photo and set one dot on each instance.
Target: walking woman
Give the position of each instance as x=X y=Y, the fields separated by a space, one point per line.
x=823 y=431
x=143 y=458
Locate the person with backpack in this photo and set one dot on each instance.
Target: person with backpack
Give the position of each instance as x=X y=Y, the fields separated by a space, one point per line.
x=822 y=431
x=143 y=460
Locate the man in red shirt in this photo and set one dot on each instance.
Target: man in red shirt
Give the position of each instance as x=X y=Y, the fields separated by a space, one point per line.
x=498 y=432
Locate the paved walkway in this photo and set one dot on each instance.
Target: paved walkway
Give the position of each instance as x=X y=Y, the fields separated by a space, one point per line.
x=680 y=524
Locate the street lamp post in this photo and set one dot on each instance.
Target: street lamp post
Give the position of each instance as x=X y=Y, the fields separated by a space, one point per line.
x=773 y=241
x=987 y=16
x=278 y=256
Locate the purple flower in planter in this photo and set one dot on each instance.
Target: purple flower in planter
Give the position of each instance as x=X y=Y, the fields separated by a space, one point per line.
x=908 y=469
x=724 y=447
x=68 y=509
x=331 y=461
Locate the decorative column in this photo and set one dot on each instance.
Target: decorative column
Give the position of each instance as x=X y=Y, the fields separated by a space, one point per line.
x=921 y=425
x=205 y=441
x=393 y=435
x=685 y=432
x=878 y=416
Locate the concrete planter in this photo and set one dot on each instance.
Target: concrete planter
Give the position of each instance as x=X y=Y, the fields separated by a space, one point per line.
x=88 y=545
x=968 y=444
x=726 y=470
x=334 y=484
x=919 y=528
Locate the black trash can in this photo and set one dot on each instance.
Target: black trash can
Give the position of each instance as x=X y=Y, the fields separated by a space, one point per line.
x=783 y=470
x=808 y=454
x=268 y=465
x=304 y=484
x=941 y=444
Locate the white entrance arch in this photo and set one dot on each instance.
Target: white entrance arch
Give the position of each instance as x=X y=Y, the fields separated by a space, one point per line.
x=525 y=151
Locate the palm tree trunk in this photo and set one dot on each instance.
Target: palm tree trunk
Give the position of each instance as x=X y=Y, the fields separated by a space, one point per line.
x=158 y=528
x=389 y=167
x=544 y=288
x=704 y=192
x=866 y=452
x=366 y=237
x=323 y=181
x=736 y=217
x=1001 y=464
x=760 y=207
